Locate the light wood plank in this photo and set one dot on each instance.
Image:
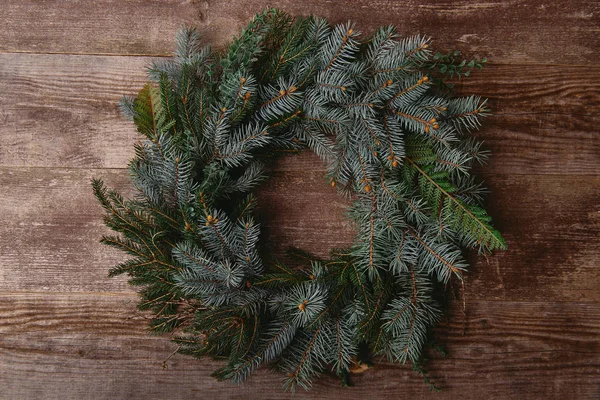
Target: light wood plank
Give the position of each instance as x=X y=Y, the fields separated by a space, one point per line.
x=51 y=231
x=60 y=111
x=71 y=346
x=144 y=27
x=52 y=224
x=508 y=31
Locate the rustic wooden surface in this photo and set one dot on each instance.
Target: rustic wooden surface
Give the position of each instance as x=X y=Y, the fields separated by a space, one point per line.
x=531 y=326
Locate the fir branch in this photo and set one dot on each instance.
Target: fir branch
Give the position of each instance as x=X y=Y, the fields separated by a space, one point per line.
x=473 y=220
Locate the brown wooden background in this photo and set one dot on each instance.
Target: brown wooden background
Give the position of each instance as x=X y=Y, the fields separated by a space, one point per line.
x=531 y=327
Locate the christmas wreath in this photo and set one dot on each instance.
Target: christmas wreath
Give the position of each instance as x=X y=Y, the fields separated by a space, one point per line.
x=393 y=139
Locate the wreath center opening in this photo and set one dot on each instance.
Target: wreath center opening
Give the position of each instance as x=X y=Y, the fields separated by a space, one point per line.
x=297 y=208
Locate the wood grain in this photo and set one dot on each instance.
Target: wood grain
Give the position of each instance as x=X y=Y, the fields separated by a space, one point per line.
x=94 y=27
x=50 y=240
x=60 y=111
x=507 y=31
x=531 y=326
x=98 y=344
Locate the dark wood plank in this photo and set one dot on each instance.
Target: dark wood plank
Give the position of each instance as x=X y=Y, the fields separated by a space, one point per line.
x=60 y=111
x=543 y=118
x=80 y=345
x=52 y=224
x=551 y=224
x=509 y=31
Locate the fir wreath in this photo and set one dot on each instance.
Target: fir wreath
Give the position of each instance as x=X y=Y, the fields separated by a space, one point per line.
x=392 y=141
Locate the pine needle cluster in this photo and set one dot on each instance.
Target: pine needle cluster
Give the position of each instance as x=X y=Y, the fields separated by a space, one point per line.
x=393 y=142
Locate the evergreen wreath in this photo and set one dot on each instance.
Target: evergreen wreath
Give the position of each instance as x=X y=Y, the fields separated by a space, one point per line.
x=392 y=139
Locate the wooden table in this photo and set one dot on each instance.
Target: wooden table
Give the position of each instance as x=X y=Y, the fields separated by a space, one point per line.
x=530 y=328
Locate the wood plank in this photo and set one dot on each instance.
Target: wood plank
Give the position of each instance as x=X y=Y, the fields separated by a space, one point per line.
x=556 y=32
x=60 y=111
x=551 y=224
x=98 y=344
x=51 y=231
x=544 y=120
x=52 y=224
x=145 y=27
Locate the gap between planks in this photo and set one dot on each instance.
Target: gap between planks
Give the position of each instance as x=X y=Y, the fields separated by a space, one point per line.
x=456 y=303
x=490 y=62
